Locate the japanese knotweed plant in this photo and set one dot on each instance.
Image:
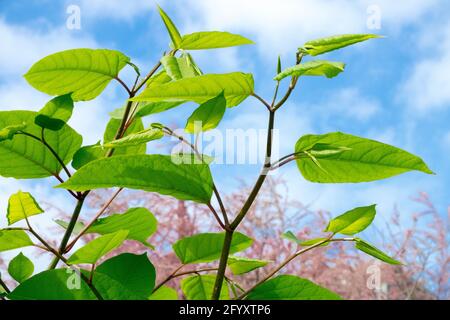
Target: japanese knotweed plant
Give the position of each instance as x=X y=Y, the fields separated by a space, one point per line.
x=41 y=144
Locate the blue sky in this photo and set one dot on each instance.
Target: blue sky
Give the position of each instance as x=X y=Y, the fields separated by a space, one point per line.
x=396 y=89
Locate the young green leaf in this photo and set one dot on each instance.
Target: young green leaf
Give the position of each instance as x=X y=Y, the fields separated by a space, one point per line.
x=208 y=115
x=97 y=248
x=153 y=173
x=82 y=73
x=134 y=272
x=287 y=287
x=159 y=78
x=112 y=289
x=20 y=268
x=365 y=159
x=207 y=247
x=366 y=247
x=323 y=45
x=236 y=87
x=164 y=293
x=201 y=288
x=241 y=265
x=180 y=68
x=212 y=40
x=136 y=139
x=353 y=221
x=58 y=284
x=22 y=205
x=135 y=127
x=24 y=157
x=87 y=154
x=139 y=222
x=323 y=68
x=79 y=226
x=13 y=239
x=171 y=29
x=55 y=113
x=8 y=132
x=289 y=235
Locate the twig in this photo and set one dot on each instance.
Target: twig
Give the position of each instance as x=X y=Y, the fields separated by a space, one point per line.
x=99 y=213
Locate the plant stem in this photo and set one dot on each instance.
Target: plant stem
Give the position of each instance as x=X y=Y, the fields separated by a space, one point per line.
x=290 y=258
x=68 y=233
x=99 y=213
x=246 y=207
x=264 y=102
x=4 y=286
x=168 y=278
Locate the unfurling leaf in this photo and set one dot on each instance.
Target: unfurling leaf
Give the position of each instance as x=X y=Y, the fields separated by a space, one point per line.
x=327 y=69
x=20 y=268
x=8 y=132
x=207 y=247
x=359 y=159
x=236 y=86
x=82 y=73
x=55 y=113
x=136 y=139
x=212 y=40
x=135 y=127
x=208 y=115
x=180 y=68
x=287 y=287
x=289 y=235
x=97 y=248
x=200 y=287
x=21 y=206
x=353 y=221
x=366 y=247
x=153 y=173
x=323 y=45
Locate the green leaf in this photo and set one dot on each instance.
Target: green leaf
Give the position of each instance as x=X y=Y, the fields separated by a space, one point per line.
x=289 y=235
x=327 y=69
x=164 y=293
x=323 y=45
x=180 y=68
x=22 y=205
x=201 y=288
x=207 y=247
x=83 y=73
x=153 y=173
x=58 y=284
x=212 y=40
x=7 y=133
x=353 y=221
x=159 y=78
x=136 y=139
x=87 y=154
x=139 y=222
x=134 y=272
x=79 y=226
x=26 y=158
x=287 y=287
x=111 y=289
x=208 y=115
x=13 y=239
x=171 y=29
x=97 y=248
x=363 y=160
x=236 y=86
x=20 y=268
x=241 y=265
x=366 y=247
x=55 y=113
x=135 y=127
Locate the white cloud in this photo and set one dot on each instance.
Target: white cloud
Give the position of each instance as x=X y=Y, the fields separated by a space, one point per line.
x=349 y=102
